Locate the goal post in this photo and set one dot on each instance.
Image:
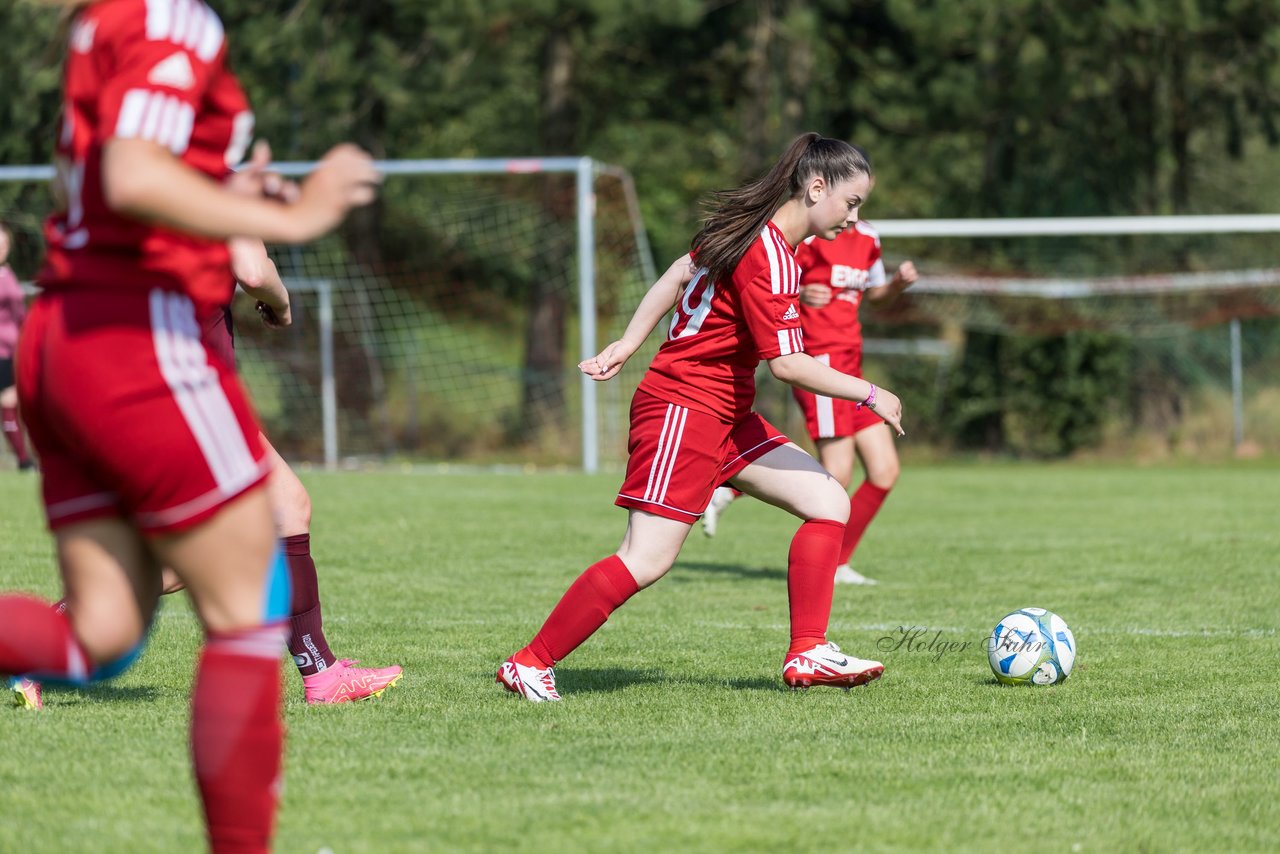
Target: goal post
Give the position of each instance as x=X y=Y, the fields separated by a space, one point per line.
x=584 y=170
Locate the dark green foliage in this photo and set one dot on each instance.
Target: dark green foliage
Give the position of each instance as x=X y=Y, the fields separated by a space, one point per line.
x=1037 y=396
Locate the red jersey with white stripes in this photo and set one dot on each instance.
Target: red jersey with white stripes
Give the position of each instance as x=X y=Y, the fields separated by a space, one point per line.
x=723 y=329
x=152 y=70
x=849 y=265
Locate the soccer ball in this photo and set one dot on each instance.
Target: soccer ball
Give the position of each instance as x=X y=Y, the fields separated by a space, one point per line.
x=1031 y=646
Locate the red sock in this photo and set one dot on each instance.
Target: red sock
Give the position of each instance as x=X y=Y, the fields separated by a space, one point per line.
x=13 y=433
x=37 y=639
x=307 y=643
x=863 y=506
x=237 y=736
x=583 y=608
x=811 y=572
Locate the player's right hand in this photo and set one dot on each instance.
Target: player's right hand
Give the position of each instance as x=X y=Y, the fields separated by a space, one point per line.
x=345 y=179
x=816 y=295
x=606 y=364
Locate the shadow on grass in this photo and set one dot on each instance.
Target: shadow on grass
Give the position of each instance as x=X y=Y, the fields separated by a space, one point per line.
x=605 y=679
x=97 y=694
x=755 y=683
x=756 y=572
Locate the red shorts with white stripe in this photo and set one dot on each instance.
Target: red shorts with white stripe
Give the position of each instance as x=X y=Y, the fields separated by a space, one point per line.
x=129 y=414
x=832 y=417
x=678 y=456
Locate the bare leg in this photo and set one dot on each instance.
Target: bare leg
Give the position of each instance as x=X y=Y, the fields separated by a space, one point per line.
x=789 y=478
x=111 y=585
x=879 y=454
x=650 y=546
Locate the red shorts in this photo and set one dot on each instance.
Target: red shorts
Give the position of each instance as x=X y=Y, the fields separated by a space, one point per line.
x=129 y=415
x=678 y=456
x=831 y=417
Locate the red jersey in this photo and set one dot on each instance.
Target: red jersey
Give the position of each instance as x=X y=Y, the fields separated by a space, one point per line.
x=723 y=329
x=849 y=264
x=153 y=70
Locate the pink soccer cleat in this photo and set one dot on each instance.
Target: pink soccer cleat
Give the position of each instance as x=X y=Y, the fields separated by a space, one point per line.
x=343 y=683
x=532 y=683
x=825 y=664
x=26 y=694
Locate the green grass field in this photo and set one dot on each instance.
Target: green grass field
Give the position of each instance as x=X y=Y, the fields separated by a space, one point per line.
x=676 y=733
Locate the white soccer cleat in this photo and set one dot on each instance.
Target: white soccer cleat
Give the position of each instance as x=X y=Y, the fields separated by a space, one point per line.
x=535 y=685
x=846 y=574
x=825 y=664
x=720 y=499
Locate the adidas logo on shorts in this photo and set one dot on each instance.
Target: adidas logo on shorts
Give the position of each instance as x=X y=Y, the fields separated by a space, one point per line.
x=791 y=314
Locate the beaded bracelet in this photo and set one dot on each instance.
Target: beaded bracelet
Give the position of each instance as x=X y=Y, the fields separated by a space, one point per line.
x=870 y=402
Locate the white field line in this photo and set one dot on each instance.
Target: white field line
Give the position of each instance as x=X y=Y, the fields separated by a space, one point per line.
x=929 y=630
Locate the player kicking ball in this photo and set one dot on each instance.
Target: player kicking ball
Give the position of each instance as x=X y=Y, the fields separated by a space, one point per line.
x=839 y=275
x=692 y=426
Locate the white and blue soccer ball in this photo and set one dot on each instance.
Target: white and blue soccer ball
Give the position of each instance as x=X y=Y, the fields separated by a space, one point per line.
x=1031 y=646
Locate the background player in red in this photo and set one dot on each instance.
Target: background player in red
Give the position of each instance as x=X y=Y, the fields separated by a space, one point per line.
x=837 y=275
x=691 y=421
x=325 y=678
x=12 y=311
x=150 y=452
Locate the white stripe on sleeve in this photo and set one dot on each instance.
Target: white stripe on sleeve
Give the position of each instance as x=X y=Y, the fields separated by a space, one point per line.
x=132 y=109
x=876 y=276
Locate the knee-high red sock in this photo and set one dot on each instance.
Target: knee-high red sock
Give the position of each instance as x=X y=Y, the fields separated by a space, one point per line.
x=13 y=433
x=237 y=736
x=811 y=571
x=583 y=608
x=307 y=643
x=863 y=506
x=36 y=639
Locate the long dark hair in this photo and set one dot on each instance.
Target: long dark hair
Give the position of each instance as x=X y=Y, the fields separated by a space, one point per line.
x=735 y=217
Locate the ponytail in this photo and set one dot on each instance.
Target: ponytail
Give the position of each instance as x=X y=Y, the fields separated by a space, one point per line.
x=735 y=217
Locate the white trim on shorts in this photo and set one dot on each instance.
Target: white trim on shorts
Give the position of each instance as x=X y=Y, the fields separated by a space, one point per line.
x=72 y=506
x=197 y=390
x=824 y=407
x=664 y=458
x=692 y=516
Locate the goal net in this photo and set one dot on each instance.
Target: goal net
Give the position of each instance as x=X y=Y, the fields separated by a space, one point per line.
x=1150 y=336
x=443 y=323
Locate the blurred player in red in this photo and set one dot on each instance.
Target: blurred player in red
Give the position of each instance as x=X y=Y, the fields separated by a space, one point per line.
x=12 y=311
x=692 y=427
x=838 y=274
x=325 y=678
x=150 y=454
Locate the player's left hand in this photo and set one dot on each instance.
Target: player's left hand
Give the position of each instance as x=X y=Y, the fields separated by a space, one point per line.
x=907 y=274
x=274 y=317
x=889 y=407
